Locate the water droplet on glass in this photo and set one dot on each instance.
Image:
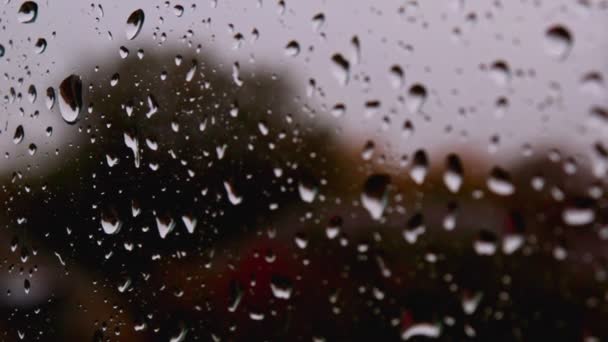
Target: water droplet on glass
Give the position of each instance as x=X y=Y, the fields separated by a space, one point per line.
x=416 y=98
x=19 y=135
x=110 y=223
x=178 y=10
x=189 y=222
x=333 y=227
x=50 y=98
x=500 y=73
x=192 y=71
x=165 y=225
x=396 y=76
x=452 y=178
x=32 y=93
x=233 y=197
x=414 y=228
x=579 y=213
x=70 y=98
x=292 y=49
x=40 y=45
x=27 y=12
x=340 y=69
x=134 y=24
x=485 y=243
x=499 y=182
x=308 y=188
x=558 y=41
x=317 y=21
x=281 y=287
x=420 y=166
x=374 y=197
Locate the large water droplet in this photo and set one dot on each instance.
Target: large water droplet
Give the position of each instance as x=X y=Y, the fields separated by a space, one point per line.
x=452 y=178
x=27 y=12
x=340 y=68
x=558 y=41
x=292 y=48
x=375 y=194
x=134 y=24
x=416 y=98
x=19 y=135
x=499 y=182
x=420 y=166
x=70 y=98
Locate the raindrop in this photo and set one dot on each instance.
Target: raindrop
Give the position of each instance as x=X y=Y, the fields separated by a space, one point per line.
x=421 y=330
x=368 y=150
x=235 y=293
x=40 y=45
x=416 y=97
x=558 y=41
x=452 y=178
x=32 y=93
x=70 y=98
x=579 y=213
x=152 y=106
x=500 y=73
x=396 y=76
x=499 y=182
x=374 y=197
x=233 y=197
x=414 y=228
x=27 y=12
x=132 y=143
x=485 y=244
x=308 y=189
x=19 y=135
x=165 y=225
x=340 y=69
x=192 y=71
x=333 y=227
x=292 y=49
x=110 y=223
x=134 y=24
x=114 y=80
x=420 y=166
x=2 y=51
x=50 y=98
x=281 y=287
x=317 y=21
x=178 y=10
x=189 y=222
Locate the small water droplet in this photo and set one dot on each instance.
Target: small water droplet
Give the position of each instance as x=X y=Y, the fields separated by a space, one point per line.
x=165 y=225
x=579 y=213
x=416 y=98
x=420 y=166
x=233 y=197
x=333 y=227
x=281 y=287
x=340 y=69
x=40 y=45
x=134 y=24
x=499 y=182
x=50 y=98
x=396 y=76
x=110 y=223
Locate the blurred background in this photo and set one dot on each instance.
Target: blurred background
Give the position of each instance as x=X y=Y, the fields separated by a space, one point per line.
x=303 y=171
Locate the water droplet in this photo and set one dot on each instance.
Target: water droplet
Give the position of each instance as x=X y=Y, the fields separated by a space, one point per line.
x=414 y=228
x=114 y=80
x=32 y=94
x=134 y=24
x=132 y=143
x=340 y=69
x=485 y=244
x=499 y=182
x=368 y=150
x=233 y=197
x=27 y=12
x=178 y=10
x=593 y=83
x=579 y=213
x=558 y=41
x=110 y=223
x=281 y=287
x=317 y=21
x=424 y=330
x=292 y=49
x=500 y=73
x=40 y=45
x=189 y=222
x=416 y=98
x=50 y=98
x=192 y=71
x=396 y=76
x=165 y=225
x=19 y=135
x=70 y=98
x=452 y=178
x=420 y=166
x=374 y=197
x=470 y=302
x=2 y=50
x=235 y=293
x=333 y=227
x=152 y=106
x=308 y=189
